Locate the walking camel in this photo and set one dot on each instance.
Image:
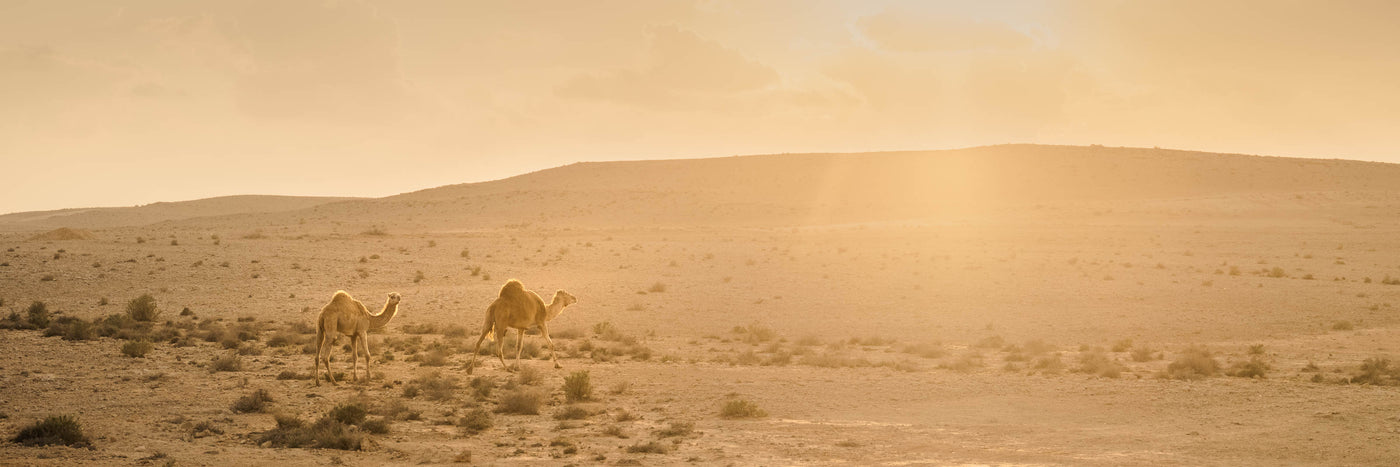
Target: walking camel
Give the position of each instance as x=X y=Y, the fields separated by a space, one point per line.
x=520 y=309
x=348 y=316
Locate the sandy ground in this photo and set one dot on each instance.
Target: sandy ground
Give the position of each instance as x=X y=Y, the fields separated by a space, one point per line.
x=1077 y=285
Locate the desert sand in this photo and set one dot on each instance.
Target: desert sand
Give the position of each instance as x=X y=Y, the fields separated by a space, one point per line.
x=1006 y=305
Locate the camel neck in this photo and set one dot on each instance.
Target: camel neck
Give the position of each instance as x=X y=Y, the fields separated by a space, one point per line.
x=553 y=309
x=382 y=319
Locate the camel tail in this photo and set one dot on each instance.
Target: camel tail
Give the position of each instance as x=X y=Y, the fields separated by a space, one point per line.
x=490 y=325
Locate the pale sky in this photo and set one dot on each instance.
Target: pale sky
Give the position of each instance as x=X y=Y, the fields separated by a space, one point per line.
x=111 y=103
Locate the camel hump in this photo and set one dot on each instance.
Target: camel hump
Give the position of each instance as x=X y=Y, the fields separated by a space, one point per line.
x=512 y=287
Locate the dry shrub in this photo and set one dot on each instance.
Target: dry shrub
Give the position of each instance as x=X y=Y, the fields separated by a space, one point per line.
x=522 y=401
x=475 y=421
x=649 y=447
x=137 y=349
x=1193 y=363
x=228 y=362
x=255 y=401
x=1096 y=362
x=55 y=429
x=1376 y=371
x=1255 y=367
x=740 y=408
x=676 y=429
x=577 y=387
x=143 y=308
x=572 y=412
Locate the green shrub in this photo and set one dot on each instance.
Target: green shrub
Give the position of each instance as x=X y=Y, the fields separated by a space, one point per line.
x=137 y=349
x=577 y=387
x=739 y=408
x=143 y=308
x=55 y=429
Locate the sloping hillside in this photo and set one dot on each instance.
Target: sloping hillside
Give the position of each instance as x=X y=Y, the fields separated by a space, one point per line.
x=796 y=189
x=807 y=189
x=99 y=218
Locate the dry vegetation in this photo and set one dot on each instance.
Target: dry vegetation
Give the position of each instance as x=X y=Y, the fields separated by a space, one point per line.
x=1233 y=331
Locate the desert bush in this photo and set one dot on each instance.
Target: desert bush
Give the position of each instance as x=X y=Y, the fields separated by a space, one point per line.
x=740 y=408
x=1099 y=363
x=375 y=426
x=1141 y=354
x=571 y=412
x=756 y=334
x=577 y=387
x=475 y=421
x=287 y=338
x=657 y=288
x=435 y=357
x=54 y=429
x=290 y=374
x=810 y=341
x=37 y=315
x=482 y=387
x=1376 y=371
x=833 y=360
x=1122 y=345
x=923 y=349
x=1049 y=364
x=614 y=431
x=433 y=385
x=326 y=433
x=649 y=447
x=1255 y=367
x=1256 y=349
x=522 y=401
x=528 y=375
x=964 y=363
x=675 y=429
x=1342 y=325
x=255 y=401
x=350 y=413
x=1193 y=363
x=228 y=362
x=71 y=329
x=143 y=308
x=137 y=348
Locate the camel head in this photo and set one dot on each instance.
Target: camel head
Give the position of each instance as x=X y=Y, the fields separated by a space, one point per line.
x=394 y=298
x=565 y=298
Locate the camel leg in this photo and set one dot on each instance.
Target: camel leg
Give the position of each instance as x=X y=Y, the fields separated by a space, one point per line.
x=364 y=341
x=476 y=350
x=355 y=358
x=324 y=354
x=316 y=373
x=544 y=331
x=519 y=346
x=501 y=348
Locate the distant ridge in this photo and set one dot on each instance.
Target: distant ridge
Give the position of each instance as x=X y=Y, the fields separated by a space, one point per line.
x=98 y=218
x=835 y=188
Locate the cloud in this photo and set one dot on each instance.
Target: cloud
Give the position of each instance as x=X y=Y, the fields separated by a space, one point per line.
x=908 y=31
x=332 y=61
x=681 y=68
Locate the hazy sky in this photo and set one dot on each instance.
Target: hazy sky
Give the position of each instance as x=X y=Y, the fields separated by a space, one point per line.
x=129 y=102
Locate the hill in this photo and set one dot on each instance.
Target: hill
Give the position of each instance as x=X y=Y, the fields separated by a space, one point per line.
x=100 y=218
x=809 y=189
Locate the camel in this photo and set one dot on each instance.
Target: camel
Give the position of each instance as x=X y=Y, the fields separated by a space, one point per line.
x=348 y=316
x=520 y=309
